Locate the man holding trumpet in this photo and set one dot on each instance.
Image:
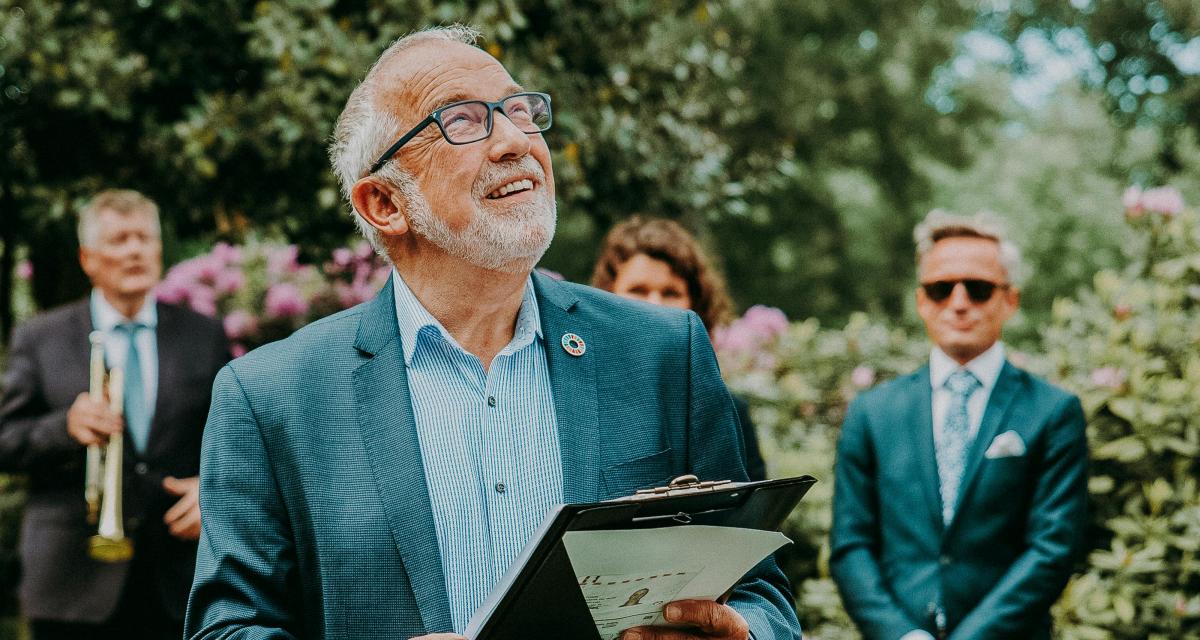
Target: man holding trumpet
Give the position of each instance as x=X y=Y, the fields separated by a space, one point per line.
x=56 y=419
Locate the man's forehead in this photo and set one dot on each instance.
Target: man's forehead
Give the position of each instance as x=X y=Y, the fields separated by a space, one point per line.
x=435 y=73
x=963 y=252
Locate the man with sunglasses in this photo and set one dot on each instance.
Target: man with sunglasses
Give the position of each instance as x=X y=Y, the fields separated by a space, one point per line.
x=961 y=489
x=375 y=474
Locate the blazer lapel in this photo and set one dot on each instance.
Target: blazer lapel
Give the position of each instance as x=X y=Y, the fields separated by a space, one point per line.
x=921 y=420
x=573 y=382
x=993 y=417
x=393 y=449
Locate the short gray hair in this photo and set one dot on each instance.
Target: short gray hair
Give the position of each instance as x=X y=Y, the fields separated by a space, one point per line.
x=940 y=224
x=122 y=201
x=363 y=131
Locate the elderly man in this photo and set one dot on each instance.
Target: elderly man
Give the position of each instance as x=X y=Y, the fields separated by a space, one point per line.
x=170 y=357
x=377 y=472
x=961 y=489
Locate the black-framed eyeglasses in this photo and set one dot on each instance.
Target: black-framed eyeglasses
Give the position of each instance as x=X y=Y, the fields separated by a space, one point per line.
x=471 y=120
x=978 y=291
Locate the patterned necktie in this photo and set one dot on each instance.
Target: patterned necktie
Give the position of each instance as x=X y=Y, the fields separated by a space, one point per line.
x=137 y=416
x=952 y=447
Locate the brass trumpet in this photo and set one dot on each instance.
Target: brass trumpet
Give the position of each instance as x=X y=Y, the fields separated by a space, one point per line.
x=105 y=474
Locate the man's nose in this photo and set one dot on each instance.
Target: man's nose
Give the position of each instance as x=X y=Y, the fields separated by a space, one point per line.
x=508 y=141
x=654 y=297
x=959 y=298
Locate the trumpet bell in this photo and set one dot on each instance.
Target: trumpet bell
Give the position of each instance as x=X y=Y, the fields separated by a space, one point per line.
x=107 y=549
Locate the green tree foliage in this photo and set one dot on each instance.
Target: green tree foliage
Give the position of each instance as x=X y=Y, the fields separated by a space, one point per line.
x=1146 y=59
x=745 y=118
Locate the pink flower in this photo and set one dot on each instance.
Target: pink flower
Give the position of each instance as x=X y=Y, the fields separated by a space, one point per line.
x=1122 y=311
x=229 y=281
x=285 y=301
x=342 y=257
x=1164 y=200
x=283 y=260
x=862 y=376
x=237 y=349
x=1108 y=377
x=734 y=339
x=203 y=300
x=364 y=250
x=227 y=253
x=766 y=322
x=25 y=270
x=239 y=324
x=172 y=290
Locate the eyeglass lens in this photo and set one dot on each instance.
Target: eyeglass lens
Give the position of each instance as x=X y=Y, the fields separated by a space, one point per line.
x=977 y=290
x=471 y=121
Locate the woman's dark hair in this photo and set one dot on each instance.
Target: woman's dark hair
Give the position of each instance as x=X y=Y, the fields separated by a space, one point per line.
x=665 y=240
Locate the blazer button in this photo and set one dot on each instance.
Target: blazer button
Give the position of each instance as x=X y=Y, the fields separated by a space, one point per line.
x=141 y=468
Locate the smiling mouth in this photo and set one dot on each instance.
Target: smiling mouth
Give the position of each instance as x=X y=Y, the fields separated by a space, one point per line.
x=516 y=186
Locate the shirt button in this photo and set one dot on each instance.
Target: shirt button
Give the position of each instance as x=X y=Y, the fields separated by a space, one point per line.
x=491 y=401
x=500 y=488
x=141 y=469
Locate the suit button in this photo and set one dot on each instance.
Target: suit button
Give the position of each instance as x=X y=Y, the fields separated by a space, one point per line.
x=945 y=560
x=141 y=468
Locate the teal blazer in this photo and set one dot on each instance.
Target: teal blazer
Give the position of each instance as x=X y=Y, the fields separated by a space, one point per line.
x=1007 y=554
x=316 y=516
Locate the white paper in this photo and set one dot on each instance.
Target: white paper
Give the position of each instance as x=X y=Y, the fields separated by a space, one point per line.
x=627 y=576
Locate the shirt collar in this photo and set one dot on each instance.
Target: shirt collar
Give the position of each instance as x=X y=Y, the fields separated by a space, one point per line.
x=416 y=323
x=106 y=318
x=985 y=367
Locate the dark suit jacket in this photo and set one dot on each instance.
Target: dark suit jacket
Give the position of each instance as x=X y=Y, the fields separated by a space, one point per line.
x=1017 y=529
x=47 y=369
x=317 y=521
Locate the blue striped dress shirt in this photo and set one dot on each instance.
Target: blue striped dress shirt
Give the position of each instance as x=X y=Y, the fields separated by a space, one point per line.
x=489 y=443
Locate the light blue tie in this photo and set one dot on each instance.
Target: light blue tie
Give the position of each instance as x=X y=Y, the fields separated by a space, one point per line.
x=137 y=417
x=952 y=447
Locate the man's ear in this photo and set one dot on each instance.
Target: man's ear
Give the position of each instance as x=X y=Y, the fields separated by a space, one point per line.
x=380 y=205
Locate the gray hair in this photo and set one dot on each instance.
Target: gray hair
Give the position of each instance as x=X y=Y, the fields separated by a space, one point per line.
x=363 y=131
x=122 y=201
x=940 y=224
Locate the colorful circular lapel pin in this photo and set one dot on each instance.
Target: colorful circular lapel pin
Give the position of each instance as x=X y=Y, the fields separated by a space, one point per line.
x=573 y=344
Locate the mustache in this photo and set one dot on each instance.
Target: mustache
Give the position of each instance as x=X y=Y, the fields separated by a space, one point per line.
x=497 y=174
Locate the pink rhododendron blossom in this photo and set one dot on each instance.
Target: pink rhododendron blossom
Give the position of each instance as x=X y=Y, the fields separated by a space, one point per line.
x=1122 y=311
x=285 y=301
x=237 y=349
x=239 y=324
x=203 y=300
x=1108 y=377
x=226 y=253
x=342 y=256
x=1164 y=200
x=364 y=250
x=1132 y=198
x=734 y=339
x=25 y=270
x=554 y=275
x=283 y=260
x=172 y=290
x=862 y=376
x=229 y=281
x=766 y=322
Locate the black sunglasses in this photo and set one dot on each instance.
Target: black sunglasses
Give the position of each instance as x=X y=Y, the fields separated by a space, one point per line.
x=977 y=290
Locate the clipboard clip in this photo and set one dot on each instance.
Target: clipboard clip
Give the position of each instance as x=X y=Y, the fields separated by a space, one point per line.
x=683 y=485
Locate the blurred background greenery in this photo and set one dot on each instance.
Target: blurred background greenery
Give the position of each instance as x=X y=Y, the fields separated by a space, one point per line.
x=801 y=139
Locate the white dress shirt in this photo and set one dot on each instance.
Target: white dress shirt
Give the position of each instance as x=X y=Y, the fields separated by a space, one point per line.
x=986 y=368
x=116 y=343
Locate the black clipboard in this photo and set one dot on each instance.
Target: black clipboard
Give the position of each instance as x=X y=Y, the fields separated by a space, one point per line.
x=539 y=597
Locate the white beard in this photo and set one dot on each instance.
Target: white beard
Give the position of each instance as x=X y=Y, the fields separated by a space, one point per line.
x=511 y=243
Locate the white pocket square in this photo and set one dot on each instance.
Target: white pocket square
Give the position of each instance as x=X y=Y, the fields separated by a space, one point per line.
x=1006 y=445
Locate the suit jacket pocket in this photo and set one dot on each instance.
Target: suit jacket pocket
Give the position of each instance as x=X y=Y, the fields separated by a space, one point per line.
x=624 y=478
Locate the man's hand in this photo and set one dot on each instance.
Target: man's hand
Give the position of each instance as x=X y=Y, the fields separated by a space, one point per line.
x=90 y=421
x=710 y=619
x=183 y=519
